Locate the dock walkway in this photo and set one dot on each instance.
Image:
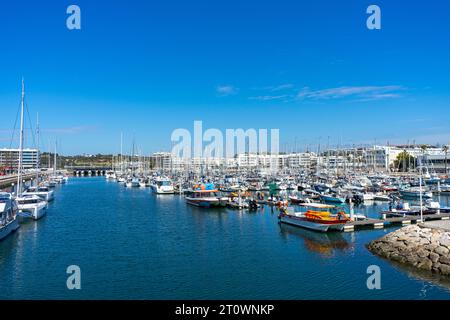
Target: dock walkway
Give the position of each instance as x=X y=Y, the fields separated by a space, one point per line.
x=382 y=223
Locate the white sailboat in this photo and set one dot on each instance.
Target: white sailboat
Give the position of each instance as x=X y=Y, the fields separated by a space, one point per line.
x=43 y=192
x=29 y=205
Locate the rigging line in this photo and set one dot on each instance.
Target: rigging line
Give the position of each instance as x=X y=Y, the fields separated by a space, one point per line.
x=14 y=130
x=31 y=125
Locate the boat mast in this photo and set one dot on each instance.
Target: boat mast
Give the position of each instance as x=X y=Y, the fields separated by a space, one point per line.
x=420 y=194
x=19 y=167
x=54 y=159
x=38 y=157
x=121 y=152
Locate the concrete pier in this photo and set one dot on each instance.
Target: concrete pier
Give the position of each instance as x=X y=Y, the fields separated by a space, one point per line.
x=382 y=223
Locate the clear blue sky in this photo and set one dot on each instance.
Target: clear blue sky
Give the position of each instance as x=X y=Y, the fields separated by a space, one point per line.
x=310 y=68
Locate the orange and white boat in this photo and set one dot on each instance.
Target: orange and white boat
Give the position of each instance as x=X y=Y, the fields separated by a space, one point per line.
x=206 y=196
x=318 y=216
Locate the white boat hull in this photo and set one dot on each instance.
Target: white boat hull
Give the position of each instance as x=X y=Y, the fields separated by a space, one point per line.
x=415 y=194
x=47 y=196
x=310 y=225
x=162 y=190
x=34 y=211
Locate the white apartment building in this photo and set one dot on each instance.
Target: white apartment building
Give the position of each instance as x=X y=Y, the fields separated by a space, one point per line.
x=376 y=158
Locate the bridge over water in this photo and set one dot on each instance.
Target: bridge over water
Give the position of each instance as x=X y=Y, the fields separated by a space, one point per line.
x=87 y=171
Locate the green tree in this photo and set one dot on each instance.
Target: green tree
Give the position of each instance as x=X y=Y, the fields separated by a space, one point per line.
x=403 y=161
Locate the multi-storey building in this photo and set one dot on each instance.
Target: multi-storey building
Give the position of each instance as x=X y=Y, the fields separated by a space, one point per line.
x=9 y=158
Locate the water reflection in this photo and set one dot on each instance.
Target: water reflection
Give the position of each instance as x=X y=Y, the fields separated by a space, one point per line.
x=422 y=275
x=325 y=244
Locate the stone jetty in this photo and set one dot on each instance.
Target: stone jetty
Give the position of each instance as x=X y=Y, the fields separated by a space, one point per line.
x=420 y=246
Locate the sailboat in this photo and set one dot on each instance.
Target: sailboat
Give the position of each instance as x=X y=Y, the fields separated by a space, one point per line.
x=133 y=181
x=43 y=192
x=28 y=205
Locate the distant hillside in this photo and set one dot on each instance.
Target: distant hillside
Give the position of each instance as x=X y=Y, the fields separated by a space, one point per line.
x=79 y=160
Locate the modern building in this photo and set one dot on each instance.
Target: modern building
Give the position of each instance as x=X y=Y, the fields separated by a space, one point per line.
x=9 y=159
x=365 y=159
x=437 y=163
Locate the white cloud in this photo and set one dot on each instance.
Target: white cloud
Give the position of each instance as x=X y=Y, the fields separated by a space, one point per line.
x=362 y=92
x=281 y=87
x=226 y=90
x=268 y=98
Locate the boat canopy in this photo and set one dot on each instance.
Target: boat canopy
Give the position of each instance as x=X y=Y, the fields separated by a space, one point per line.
x=205 y=187
x=317 y=205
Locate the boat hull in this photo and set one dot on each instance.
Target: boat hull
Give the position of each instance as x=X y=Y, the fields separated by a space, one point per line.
x=414 y=194
x=157 y=190
x=204 y=203
x=305 y=223
x=332 y=199
x=35 y=212
x=9 y=228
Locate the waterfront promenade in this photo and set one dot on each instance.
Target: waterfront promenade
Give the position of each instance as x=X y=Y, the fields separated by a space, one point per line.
x=9 y=180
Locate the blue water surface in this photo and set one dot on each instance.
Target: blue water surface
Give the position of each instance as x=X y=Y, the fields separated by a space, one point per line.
x=131 y=244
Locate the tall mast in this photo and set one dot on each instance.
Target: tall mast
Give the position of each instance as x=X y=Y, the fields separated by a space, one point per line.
x=132 y=159
x=38 y=156
x=19 y=167
x=54 y=158
x=121 y=152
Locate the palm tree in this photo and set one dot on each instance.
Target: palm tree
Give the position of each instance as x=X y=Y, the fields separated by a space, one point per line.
x=445 y=149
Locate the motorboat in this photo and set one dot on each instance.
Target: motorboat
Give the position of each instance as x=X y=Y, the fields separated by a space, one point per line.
x=31 y=206
x=162 y=186
x=332 y=198
x=318 y=217
x=206 y=196
x=41 y=191
x=295 y=199
x=416 y=192
x=8 y=215
x=110 y=175
x=381 y=197
x=132 y=183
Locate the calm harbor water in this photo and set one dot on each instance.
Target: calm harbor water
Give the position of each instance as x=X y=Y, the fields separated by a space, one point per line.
x=131 y=244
